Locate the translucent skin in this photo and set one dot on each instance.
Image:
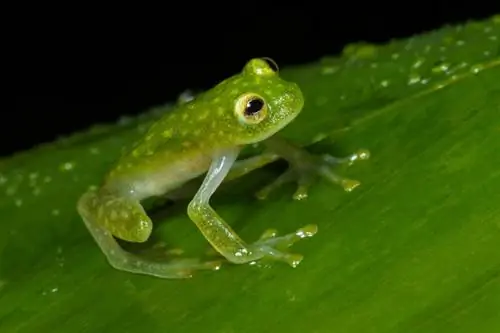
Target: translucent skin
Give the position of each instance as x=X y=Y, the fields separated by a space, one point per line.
x=205 y=135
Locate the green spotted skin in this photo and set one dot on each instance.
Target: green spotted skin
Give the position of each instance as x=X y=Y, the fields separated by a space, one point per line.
x=205 y=135
x=180 y=145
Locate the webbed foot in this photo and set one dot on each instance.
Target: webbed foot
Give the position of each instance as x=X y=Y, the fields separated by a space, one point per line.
x=305 y=168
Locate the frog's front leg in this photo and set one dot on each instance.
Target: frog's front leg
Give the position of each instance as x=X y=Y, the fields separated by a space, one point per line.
x=222 y=237
x=106 y=215
x=305 y=167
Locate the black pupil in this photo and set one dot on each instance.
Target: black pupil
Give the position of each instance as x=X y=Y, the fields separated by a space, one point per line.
x=254 y=106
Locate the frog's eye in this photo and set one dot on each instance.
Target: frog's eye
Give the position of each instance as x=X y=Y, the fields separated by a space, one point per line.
x=272 y=64
x=250 y=109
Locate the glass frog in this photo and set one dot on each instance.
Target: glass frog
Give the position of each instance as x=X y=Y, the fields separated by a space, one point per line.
x=204 y=135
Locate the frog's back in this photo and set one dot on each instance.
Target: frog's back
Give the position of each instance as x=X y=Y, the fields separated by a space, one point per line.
x=244 y=109
x=177 y=148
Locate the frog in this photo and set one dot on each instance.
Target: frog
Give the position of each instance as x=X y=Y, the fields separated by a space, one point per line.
x=202 y=137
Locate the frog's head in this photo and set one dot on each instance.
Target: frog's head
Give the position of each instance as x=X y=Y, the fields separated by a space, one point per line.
x=262 y=103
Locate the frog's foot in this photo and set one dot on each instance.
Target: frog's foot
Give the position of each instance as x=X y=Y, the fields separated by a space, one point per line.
x=98 y=211
x=274 y=247
x=172 y=269
x=305 y=167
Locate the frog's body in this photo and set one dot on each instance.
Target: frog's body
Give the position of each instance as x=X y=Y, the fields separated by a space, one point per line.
x=205 y=133
x=180 y=146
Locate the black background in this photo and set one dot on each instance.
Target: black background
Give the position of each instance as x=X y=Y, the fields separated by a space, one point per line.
x=68 y=68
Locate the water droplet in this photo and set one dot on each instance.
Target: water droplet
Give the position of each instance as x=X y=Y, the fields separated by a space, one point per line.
x=461 y=65
x=18 y=202
x=395 y=56
x=476 y=68
x=384 y=83
x=460 y=42
x=329 y=70
x=414 y=78
x=418 y=63
x=36 y=191
x=3 y=179
x=493 y=38
x=94 y=151
x=441 y=68
x=374 y=65
x=47 y=179
x=67 y=166
x=55 y=212
x=360 y=50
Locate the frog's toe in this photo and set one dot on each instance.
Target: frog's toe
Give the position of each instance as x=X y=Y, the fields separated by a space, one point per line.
x=360 y=155
x=186 y=268
x=274 y=246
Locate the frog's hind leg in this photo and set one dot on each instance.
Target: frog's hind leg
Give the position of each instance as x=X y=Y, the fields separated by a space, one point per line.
x=106 y=216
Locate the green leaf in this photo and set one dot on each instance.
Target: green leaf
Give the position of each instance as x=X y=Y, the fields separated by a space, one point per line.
x=414 y=249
